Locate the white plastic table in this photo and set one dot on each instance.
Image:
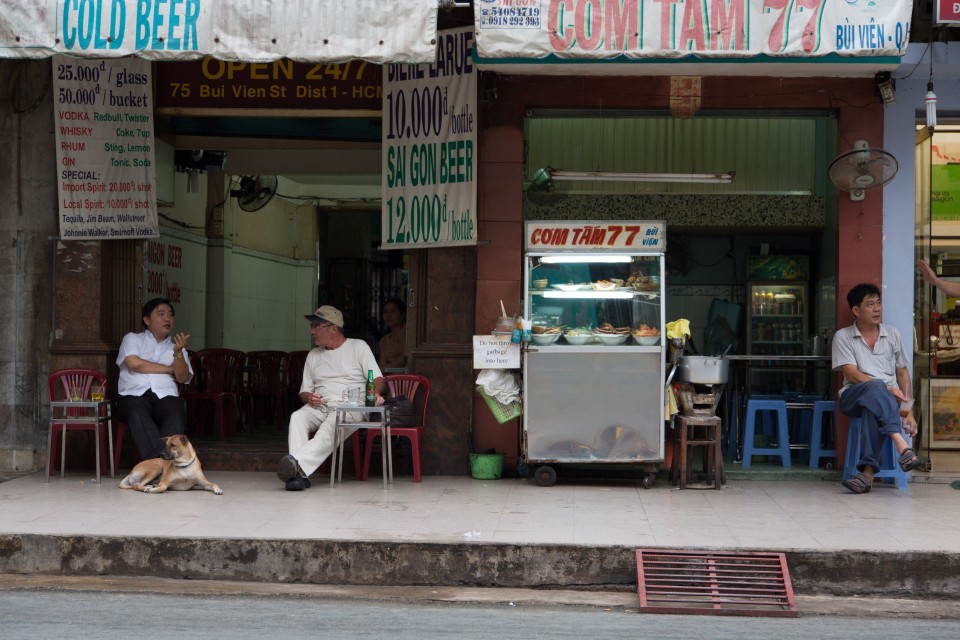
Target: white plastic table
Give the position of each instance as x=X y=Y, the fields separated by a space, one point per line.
x=361 y=417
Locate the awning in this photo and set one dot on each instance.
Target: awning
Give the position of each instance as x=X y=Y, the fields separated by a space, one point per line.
x=247 y=30
x=688 y=37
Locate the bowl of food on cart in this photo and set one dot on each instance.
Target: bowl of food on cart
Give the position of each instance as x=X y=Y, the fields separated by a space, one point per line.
x=570 y=286
x=646 y=335
x=543 y=336
x=578 y=336
x=611 y=335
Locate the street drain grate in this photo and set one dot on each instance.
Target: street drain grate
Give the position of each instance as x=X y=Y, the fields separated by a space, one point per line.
x=714 y=583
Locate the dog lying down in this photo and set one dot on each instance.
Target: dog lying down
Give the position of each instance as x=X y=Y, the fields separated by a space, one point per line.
x=177 y=468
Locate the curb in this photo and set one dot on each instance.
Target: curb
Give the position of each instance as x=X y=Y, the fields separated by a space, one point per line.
x=370 y=563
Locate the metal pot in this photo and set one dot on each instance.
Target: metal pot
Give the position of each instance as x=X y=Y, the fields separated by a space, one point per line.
x=704 y=369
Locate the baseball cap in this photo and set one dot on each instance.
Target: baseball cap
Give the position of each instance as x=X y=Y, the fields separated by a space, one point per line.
x=328 y=313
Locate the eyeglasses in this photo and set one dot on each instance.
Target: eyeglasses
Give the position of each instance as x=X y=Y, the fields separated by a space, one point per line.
x=320 y=325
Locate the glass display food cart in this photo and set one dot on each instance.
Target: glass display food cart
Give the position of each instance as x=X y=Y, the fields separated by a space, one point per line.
x=593 y=371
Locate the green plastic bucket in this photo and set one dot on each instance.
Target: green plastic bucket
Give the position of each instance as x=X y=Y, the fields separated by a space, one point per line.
x=486 y=466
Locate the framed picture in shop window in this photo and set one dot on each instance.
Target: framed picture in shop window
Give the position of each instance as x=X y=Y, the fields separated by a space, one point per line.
x=945 y=413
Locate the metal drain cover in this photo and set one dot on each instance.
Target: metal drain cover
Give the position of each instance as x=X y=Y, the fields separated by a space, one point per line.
x=714 y=583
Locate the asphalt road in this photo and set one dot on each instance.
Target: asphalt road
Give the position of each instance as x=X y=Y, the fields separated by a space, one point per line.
x=38 y=613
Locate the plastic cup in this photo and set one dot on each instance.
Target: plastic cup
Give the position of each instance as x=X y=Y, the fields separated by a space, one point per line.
x=97 y=396
x=905 y=408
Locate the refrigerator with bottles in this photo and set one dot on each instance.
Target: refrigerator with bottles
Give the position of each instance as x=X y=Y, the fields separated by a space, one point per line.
x=777 y=312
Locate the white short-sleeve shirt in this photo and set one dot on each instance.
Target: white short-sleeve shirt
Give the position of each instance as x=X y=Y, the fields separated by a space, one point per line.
x=145 y=346
x=327 y=372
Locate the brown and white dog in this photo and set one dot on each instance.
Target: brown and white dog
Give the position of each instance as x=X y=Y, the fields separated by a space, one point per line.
x=177 y=468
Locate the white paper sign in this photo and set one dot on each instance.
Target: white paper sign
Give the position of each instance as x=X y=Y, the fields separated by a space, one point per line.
x=430 y=148
x=105 y=148
x=495 y=352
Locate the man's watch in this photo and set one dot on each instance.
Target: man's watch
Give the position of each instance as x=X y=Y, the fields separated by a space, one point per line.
x=178 y=356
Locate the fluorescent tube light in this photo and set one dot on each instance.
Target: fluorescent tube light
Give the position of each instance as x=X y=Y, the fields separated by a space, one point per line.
x=588 y=294
x=612 y=176
x=562 y=259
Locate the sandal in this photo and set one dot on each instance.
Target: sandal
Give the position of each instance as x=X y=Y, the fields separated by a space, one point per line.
x=909 y=460
x=858 y=483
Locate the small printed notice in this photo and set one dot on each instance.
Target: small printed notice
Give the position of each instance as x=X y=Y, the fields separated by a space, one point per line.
x=495 y=352
x=105 y=148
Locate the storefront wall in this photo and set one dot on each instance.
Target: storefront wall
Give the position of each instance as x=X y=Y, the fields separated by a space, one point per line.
x=901 y=120
x=501 y=171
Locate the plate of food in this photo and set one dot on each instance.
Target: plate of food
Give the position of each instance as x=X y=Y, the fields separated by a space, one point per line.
x=604 y=285
x=567 y=287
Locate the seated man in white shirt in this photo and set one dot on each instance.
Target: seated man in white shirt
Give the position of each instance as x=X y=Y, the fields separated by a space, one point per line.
x=151 y=364
x=336 y=364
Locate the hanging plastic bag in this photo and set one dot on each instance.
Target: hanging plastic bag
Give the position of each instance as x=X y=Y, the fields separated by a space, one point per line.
x=500 y=384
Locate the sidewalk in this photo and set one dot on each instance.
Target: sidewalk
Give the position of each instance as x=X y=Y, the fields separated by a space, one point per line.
x=456 y=530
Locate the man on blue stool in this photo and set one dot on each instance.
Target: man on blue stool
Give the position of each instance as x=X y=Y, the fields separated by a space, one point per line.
x=875 y=381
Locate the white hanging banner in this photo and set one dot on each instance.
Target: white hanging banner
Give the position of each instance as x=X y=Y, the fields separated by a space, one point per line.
x=626 y=29
x=429 y=149
x=103 y=116
x=247 y=30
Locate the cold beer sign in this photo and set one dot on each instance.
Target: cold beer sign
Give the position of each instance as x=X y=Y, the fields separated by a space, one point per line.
x=948 y=11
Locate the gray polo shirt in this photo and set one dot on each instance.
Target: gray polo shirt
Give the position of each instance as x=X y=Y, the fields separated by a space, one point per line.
x=887 y=355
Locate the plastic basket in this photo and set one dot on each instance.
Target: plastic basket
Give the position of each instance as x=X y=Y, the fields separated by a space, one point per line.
x=486 y=466
x=502 y=412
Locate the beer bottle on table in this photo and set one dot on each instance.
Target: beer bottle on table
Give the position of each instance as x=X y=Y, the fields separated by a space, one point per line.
x=371 y=398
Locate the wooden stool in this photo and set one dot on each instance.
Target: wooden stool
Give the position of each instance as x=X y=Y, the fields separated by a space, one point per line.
x=697 y=431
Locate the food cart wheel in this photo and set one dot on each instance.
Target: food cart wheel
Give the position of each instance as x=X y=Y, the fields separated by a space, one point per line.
x=544 y=476
x=648 y=479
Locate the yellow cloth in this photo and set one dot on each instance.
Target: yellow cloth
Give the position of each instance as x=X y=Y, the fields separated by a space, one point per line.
x=670 y=407
x=678 y=328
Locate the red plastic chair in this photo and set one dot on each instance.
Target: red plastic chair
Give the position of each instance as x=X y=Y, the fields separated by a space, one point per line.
x=266 y=380
x=417 y=388
x=67 y=384
x=296 y=360
x=217 y=375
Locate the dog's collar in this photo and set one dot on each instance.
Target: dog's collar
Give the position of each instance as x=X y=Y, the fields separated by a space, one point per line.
x=186 y=464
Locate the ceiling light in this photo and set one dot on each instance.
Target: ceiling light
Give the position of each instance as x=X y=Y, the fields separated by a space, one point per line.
x=564 y=259
x=613 y=176
x=588 y=294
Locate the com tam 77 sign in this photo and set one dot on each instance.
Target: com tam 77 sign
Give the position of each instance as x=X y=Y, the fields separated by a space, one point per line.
x=605 y=29
x=617 y=235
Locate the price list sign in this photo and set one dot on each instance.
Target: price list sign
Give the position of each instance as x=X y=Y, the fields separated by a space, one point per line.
x=105 y=148
x=429 y=149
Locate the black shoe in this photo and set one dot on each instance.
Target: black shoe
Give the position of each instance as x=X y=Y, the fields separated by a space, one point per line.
x=297 y=484
x=306 y=482
x=288 y=468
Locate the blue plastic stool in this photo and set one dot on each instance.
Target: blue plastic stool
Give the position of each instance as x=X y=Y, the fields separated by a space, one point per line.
x=779 y=407
x=821 y=409
x=890 y=471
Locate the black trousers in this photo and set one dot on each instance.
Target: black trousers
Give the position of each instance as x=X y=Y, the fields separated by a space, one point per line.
x=151 y=420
